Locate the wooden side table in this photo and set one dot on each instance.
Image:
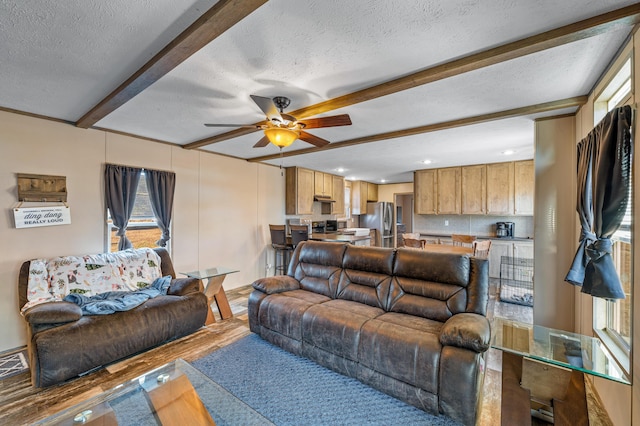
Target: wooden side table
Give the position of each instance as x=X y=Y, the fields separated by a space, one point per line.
x=214 y=290
x=543 y=372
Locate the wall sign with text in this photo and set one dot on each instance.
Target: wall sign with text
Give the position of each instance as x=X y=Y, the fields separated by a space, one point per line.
x=31 y=217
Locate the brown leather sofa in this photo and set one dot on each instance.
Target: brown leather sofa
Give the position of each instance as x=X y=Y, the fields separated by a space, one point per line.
x=63 y=343
x=409 y=323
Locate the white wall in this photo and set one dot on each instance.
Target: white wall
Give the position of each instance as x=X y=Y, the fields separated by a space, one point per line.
x=554 y=222
x=221 y=213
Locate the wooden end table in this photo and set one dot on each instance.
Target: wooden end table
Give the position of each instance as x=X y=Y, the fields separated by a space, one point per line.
x=214 y=290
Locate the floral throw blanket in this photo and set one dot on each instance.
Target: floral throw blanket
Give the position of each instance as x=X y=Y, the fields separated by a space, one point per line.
x=127 y=270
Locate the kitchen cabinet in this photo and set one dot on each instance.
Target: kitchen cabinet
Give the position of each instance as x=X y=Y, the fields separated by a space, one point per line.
x=323 y=184
x=299 y=190
x=449 y=190
x=338 y=195
x=500 y=189
x=524 y=178
x=361 y=193
x=425 y=193
x=372 y=192
x=357 y=198
x=474 y=189
x=510 y=248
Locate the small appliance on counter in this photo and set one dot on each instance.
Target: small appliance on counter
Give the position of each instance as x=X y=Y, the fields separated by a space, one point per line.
x=318 y=227
x=504 y=229
x=331 y=226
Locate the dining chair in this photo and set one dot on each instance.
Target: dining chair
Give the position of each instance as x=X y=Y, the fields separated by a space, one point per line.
x=481 y=249
x=299 y=233
x=463 y=240
x=282 y=249
x=413 y=243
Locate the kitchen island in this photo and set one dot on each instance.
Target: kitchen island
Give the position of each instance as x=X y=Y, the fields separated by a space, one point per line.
x=360 y=240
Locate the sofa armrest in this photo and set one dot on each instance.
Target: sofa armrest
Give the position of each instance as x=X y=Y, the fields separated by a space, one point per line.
x=277 y=284
x=183 y=286
x=468 y=331
x=53 y=313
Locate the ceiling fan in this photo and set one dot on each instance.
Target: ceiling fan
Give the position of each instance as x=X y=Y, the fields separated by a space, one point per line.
x=282 y=129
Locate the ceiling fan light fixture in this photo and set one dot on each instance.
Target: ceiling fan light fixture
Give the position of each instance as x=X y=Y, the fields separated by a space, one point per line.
x=280 y=136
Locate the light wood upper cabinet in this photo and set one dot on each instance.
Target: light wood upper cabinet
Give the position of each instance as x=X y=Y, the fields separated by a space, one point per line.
x=361 y=192
x=299 y=191
x=500 y=189
x=449 y=190
x=338 y=195
x=474 y=189
x=372 y=191
x=357 y=197
x=425 y=195
x=524 y=179
x=323 y=184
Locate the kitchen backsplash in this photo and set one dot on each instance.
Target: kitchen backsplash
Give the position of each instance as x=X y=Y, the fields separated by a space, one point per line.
x=480 y=226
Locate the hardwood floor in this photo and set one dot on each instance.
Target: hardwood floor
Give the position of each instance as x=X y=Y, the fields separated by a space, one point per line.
x=22 y=404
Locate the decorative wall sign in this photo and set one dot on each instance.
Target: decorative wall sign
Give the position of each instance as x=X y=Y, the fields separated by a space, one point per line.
x=42 y=188
x=31 y=217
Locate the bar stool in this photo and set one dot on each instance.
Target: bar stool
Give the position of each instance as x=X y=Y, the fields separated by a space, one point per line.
x=299 y=233
x=282 y=249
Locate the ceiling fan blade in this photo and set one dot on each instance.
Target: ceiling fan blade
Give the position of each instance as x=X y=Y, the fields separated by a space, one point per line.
x=262 y=142
x=268 y=107
x=333 y=121
x=231 y=125
x=313 y=140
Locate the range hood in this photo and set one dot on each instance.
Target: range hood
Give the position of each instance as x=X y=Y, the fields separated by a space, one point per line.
x=323 y=198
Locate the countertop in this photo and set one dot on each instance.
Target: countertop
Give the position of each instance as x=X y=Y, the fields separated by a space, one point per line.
x=338 y=237
x=480 y=237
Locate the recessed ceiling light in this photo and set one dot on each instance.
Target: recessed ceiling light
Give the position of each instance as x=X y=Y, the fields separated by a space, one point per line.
x=426 y=162
x=340 y=170
x=508 y=152
x=382 y=181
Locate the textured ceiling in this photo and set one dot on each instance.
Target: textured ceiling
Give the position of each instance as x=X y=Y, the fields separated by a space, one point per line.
x=60 y=58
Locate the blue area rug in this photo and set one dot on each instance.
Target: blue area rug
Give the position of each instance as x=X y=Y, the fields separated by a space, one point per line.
x=290 y=390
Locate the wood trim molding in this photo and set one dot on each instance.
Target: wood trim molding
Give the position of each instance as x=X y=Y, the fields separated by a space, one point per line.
x=532 y=109
x=222 y=16
x=596 y=25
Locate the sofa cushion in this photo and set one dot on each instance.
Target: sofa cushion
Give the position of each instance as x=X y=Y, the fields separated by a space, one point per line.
x=435 y=267
x=317 y=266
x=366 y=277
x=282 y=312
x=335 y=326
x=403 y=347
x=430 y=285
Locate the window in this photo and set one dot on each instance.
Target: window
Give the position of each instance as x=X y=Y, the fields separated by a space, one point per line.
x=612 y=319
x=142 y=230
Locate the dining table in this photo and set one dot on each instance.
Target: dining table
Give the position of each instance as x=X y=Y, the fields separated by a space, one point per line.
x=447 y=248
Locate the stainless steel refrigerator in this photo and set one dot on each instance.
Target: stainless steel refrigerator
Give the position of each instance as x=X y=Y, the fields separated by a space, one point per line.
x=380 y=217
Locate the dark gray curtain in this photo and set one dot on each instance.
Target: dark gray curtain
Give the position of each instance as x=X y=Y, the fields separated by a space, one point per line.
x=161 y=186
x=604 y=179
x=121 y=184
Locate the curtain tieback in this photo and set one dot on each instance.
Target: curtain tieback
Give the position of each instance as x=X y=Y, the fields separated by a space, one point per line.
x=121 y=232
x=599 y=248
x=589 y=236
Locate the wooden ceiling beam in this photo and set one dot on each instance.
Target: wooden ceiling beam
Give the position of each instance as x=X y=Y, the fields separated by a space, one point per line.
x=214 y=22
x=626 y=16
x=516 y=112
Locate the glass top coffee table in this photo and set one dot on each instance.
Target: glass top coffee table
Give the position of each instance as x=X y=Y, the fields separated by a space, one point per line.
x=543 y=372
x=175 y=393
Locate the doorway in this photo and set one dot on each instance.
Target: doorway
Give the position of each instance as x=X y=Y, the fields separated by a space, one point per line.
x=404 y=210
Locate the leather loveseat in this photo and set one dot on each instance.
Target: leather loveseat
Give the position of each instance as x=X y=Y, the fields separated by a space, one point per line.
x=64 y=343
x=410 y=323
